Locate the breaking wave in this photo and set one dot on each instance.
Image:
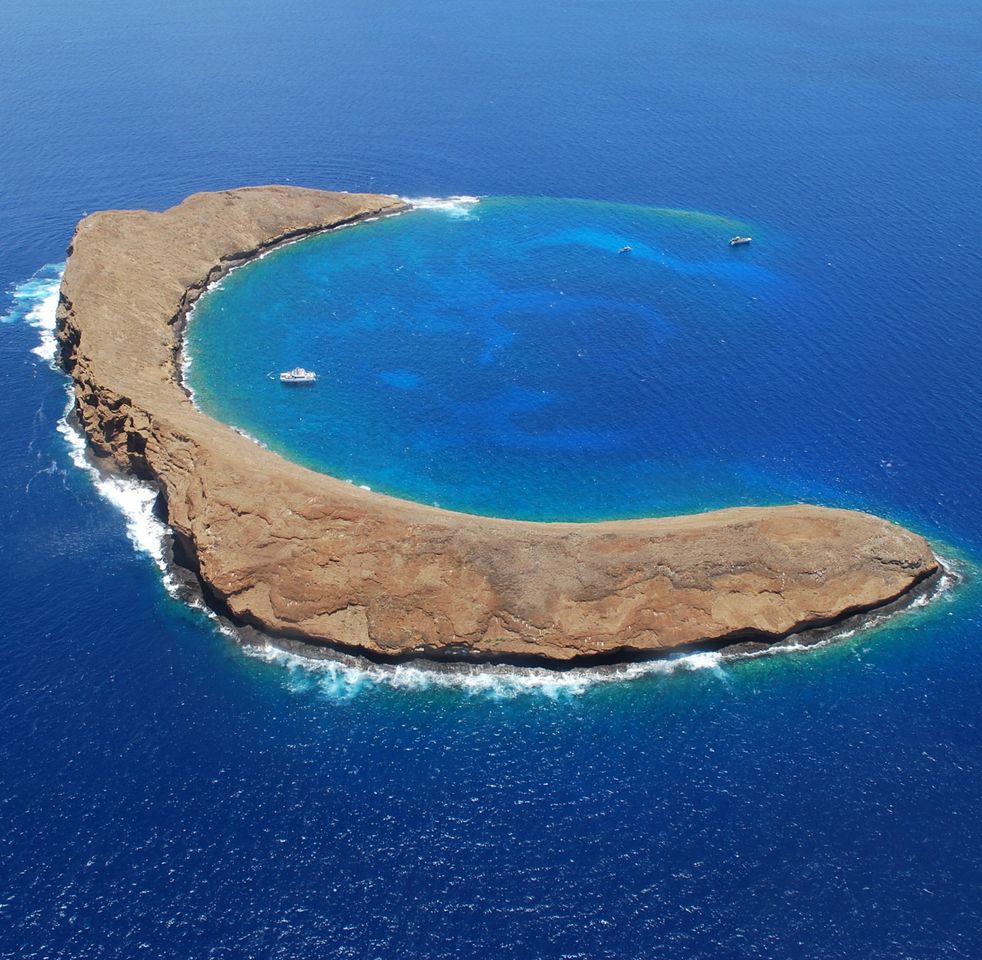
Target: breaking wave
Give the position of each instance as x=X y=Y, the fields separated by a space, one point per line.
x=340 y=677
x=133 y=498
x=35 y=301
x=459 y=206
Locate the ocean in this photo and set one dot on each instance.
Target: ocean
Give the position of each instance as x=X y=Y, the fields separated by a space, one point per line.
x=167 y=792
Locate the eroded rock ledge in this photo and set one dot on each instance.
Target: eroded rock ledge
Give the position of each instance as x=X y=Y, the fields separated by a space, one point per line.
x=299 y=554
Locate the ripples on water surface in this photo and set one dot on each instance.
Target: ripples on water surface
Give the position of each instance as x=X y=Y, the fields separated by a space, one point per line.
x=164 y=793
x=503 y=357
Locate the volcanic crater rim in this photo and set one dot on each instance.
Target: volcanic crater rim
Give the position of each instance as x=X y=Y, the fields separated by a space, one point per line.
x=294 y=552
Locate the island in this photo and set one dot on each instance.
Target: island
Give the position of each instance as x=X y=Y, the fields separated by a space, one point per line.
x=307 y=557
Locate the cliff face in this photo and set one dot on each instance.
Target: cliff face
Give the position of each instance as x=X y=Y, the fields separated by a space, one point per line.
x=301 y=554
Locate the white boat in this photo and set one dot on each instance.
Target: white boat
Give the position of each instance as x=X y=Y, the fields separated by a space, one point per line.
x=298 y=375
x=740 y=241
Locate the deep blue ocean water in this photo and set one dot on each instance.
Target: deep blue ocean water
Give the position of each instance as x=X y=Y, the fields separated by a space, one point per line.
x=164 y=793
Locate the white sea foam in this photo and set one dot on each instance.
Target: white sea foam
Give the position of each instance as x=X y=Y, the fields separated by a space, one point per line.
x=185 y=366
x=35 y=301
x=133 y=498
x=952 y=574
x=185 y=362
x=344 y=679
x=248 y=436
x=459 y=206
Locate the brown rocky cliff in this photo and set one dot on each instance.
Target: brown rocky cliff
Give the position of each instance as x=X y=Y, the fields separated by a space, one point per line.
x=298 y=553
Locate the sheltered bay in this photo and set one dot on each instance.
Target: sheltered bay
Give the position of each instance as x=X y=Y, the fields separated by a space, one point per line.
x=299 y=554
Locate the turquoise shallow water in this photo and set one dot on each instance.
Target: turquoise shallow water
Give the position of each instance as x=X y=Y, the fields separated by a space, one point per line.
x=505 y=358
x=166 y=793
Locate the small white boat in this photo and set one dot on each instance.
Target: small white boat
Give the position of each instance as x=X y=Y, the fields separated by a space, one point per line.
x=740 y=241
x=298 y=375
x=624 y=250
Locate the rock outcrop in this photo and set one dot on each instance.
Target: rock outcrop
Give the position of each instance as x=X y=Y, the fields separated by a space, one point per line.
x=299 y=554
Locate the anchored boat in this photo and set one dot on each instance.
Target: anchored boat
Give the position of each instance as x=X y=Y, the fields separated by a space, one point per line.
x=740 y=241
x=298 y=375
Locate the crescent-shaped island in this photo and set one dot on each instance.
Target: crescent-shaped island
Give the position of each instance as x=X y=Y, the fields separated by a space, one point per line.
x=303 y=556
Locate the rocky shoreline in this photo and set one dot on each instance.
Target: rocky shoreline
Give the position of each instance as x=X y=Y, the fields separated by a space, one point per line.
x=307 y=558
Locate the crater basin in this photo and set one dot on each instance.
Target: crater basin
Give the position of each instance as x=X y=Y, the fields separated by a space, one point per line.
x=509 y=358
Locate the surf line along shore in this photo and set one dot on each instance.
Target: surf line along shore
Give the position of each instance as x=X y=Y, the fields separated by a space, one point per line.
x=304 y=556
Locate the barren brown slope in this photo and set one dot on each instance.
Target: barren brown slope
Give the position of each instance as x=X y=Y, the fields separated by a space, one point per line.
x=302 y=554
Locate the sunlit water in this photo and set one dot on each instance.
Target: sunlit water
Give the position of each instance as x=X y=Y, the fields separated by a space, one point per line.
x=509 y=357
x=168 y=793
